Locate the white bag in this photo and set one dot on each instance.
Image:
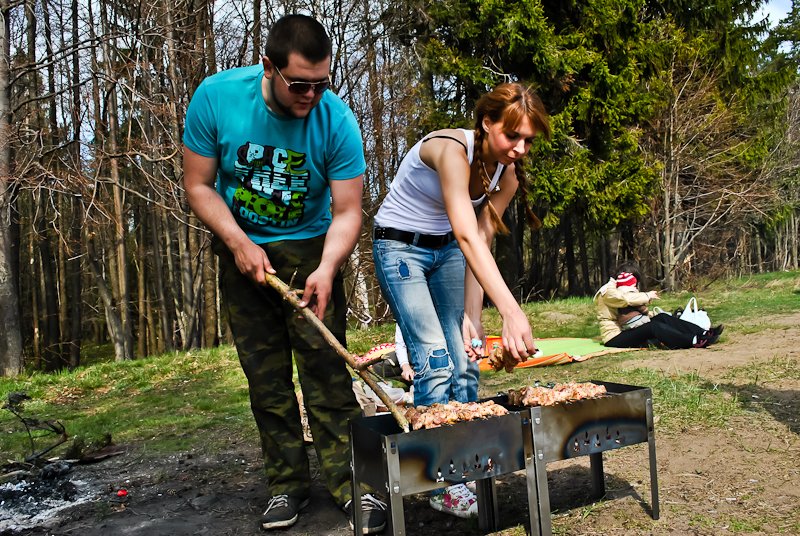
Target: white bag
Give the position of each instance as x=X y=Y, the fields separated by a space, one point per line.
x=695 y=315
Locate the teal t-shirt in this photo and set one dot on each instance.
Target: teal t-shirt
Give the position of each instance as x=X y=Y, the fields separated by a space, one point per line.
x=273 y=171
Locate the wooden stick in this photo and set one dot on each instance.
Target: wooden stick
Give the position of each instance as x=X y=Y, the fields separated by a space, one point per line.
x=291 y=296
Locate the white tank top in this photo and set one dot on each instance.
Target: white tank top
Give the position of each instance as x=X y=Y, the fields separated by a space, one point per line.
x=415 y=202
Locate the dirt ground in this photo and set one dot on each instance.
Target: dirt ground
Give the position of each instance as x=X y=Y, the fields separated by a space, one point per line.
x=741 y=479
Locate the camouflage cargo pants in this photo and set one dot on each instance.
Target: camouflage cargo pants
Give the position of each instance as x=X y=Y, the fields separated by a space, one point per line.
x=267 y=331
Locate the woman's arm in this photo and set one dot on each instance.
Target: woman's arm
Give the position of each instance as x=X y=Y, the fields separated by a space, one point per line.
x=473 y=292
x=450 y=162
x=617 y=298
x=500 y=199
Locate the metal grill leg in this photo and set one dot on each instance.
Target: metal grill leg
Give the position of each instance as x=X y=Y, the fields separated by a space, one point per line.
x=487 y=504
x=397 y=517
x=356 y=504
x=651 y=443
x=540 y=470
x=544 y=497
x=598 y=477
x=358 y=520
x=530 y=477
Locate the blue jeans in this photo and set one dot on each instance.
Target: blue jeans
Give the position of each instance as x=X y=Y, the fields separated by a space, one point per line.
x=425 y=290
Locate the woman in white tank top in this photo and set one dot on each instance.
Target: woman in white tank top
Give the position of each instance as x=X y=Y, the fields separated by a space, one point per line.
x=431 y=246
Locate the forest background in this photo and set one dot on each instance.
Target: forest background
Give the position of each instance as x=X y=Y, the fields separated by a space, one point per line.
x=676 y=143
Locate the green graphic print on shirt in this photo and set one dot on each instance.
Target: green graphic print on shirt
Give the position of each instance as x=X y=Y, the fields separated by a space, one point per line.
x=274 y=185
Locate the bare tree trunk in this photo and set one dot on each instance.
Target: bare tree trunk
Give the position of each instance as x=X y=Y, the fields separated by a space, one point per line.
x=210 y=336
x=74 y=279
x=192 y=281
x=584 y=255
x=376 y=108
x=152 y=329
x=115 y=329
x=569 y=253
x=36 y=331
x=507 y=249
x=61 y=270
x=605 y=259
x=164 y=315
x=168 y=270
x=758 y=261
x=551 y=279
x=205 y=44
x=743 y=248
x=115 y=305
x=187 y=307
x=257 y=32
x=11 y=361
x=51 y=337
x=794 y=234
x=359 y=301
x=51 y=75
x=534 y=274
x=669 y=182
x=58 y=262
x=141 y=286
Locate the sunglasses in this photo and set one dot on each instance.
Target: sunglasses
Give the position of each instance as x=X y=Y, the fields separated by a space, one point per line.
x=301 y=88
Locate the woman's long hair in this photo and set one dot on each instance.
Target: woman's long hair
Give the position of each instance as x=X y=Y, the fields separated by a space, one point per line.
x=508 y=103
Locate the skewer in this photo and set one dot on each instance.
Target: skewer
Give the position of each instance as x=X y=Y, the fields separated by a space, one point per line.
x=291 y=296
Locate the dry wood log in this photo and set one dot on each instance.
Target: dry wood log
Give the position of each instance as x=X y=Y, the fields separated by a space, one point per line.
x=291 y=296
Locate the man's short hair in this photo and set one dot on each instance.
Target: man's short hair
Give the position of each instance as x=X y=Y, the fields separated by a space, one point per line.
x=300 y=34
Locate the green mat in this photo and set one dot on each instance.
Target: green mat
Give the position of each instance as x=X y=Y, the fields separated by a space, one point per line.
x=559 y=351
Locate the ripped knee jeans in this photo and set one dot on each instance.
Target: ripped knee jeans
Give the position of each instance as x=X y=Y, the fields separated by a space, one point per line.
x=424 y=287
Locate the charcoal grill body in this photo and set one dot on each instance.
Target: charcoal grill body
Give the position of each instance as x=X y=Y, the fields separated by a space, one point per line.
x=588 y=428
x=398 y=463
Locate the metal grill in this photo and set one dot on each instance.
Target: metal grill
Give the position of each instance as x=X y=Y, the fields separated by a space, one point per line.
x=400 y=464
x=587 y=428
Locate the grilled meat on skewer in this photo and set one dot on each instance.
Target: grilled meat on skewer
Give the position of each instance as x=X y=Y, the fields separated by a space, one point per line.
x=440 y=414
x=560 y=392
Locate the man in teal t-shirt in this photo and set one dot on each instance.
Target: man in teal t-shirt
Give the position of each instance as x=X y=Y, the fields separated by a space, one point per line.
x=273 y=165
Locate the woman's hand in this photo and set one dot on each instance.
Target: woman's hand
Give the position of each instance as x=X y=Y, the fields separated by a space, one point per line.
x=474 y=338
x=517 y=335
x=653 y=295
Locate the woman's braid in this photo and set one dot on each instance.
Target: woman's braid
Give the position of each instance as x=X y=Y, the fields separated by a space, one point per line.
x=478 y=167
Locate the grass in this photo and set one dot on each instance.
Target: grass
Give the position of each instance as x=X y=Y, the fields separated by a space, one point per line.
x=200 y=398
x=165 y=400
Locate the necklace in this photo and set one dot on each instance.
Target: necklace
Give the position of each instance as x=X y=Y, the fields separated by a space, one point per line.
x=489 y=178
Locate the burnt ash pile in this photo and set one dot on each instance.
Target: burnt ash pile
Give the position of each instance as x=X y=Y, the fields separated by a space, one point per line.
x=31 y=498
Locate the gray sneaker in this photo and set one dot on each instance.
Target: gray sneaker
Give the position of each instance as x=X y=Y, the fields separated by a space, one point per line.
x=373 y=514
x=282 y=511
